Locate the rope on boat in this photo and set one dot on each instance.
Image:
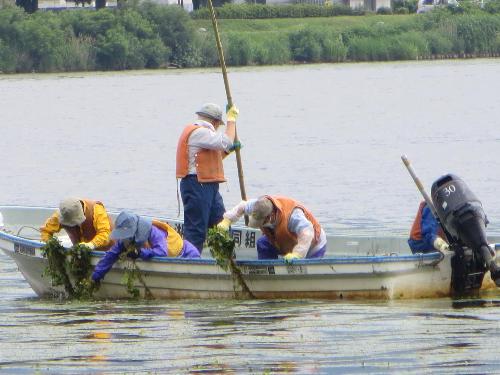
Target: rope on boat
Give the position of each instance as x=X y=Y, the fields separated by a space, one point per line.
x=18 y=234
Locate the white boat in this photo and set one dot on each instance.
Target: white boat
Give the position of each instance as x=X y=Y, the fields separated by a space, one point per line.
x=355 y=267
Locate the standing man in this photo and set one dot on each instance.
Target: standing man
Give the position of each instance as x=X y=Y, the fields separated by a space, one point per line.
x=199 y=166
x=289 y=229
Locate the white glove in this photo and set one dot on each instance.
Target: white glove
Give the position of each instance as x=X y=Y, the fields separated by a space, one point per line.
x=440 y=244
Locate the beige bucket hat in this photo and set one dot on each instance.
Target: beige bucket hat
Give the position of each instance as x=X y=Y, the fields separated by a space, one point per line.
x=71 y=212
x=211 y=110
x=262 y=208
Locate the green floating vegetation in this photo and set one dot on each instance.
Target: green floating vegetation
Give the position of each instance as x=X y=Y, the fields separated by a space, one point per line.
x=133 y=274
x=67 y=265
x=72 y=268
x=222 y=249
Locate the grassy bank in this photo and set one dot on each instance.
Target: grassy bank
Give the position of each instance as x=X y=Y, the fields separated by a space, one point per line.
x=360 y=38
x=152 y=36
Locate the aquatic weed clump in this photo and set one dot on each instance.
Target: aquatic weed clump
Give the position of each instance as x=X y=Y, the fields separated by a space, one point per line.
x=133 y=273
x=56 y=267
x=222 y=249
x=80 y=268
x=65 y=265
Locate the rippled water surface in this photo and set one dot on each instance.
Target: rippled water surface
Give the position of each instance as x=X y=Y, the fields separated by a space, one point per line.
x=328 y=135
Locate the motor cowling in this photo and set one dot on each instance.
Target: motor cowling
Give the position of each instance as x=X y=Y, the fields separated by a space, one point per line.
x=460 y=211
x=462 y=216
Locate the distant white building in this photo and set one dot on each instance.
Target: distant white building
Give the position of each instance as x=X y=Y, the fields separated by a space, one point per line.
x=372 y=5
x=187 y=4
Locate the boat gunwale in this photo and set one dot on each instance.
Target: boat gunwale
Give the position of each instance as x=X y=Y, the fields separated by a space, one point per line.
x=359 y=259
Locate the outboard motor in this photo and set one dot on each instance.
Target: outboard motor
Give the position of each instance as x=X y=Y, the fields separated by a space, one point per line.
x=461 y=214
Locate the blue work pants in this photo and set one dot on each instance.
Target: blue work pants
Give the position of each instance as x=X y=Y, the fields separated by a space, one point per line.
x=203 y=208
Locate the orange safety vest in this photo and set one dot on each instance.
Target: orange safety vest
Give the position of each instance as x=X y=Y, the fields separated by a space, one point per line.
x=175 y=242
x=208 y=162
x=86 y=231
x=416 y=228
x=281 y=237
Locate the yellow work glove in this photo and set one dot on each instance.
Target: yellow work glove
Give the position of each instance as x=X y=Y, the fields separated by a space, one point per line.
x=224 y=225
x=291 y=256
x=440 y=244
x=90 y=245
x=232 y=113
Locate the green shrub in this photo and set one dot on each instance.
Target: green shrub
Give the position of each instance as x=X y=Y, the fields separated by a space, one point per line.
x=272 y=50
x=492 y=6
x=384 y=10
x=439 y=43
x=409 y=5
x=117 y=49
x=79 y=54
x=7 y=58
x=401 y=10
x=41 y=40
x=260 y=11
x=207 y=51
x=239 y=51
x=408 y=46
x=305 y=45
x=368 y=49
x=477 y=32
x=176 y=30
x=333 y=49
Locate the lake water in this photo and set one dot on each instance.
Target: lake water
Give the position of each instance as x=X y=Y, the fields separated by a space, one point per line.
x=328 y=135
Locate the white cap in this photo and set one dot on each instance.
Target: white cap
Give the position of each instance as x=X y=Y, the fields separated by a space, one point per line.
x=1 y=220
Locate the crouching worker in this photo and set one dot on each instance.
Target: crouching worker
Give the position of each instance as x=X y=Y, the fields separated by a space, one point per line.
x=426 y=234
x=86 y=222
x=143 y=238
x=289 y=229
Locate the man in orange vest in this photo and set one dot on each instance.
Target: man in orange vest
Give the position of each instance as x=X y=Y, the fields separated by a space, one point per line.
x=86 y=222
x=200 y=151
x=143 y=238
x=289 y=229
x=426 y=234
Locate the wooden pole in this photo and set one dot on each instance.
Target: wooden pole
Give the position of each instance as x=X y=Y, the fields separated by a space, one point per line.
x=427 y=199
x=420 y=187
x=229 y=102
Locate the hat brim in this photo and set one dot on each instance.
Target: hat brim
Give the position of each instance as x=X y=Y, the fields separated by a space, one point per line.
x=72 y=223
x=143 y=230
x=204 y=114
x=123 y=233
x=254 y=222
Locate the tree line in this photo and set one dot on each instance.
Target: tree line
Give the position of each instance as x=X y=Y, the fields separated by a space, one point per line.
x=149 y=35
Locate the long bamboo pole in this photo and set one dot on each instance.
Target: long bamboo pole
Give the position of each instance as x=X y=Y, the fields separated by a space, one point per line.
x=426 y=197
x=229 y=101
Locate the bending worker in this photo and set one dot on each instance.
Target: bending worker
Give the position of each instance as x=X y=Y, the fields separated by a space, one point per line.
x=426 y=234
x=86 y=222
x=143 y=238
x=199 y=166
x=289 y=229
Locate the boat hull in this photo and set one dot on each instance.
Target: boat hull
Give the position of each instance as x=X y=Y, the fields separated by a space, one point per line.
x=391 y=276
